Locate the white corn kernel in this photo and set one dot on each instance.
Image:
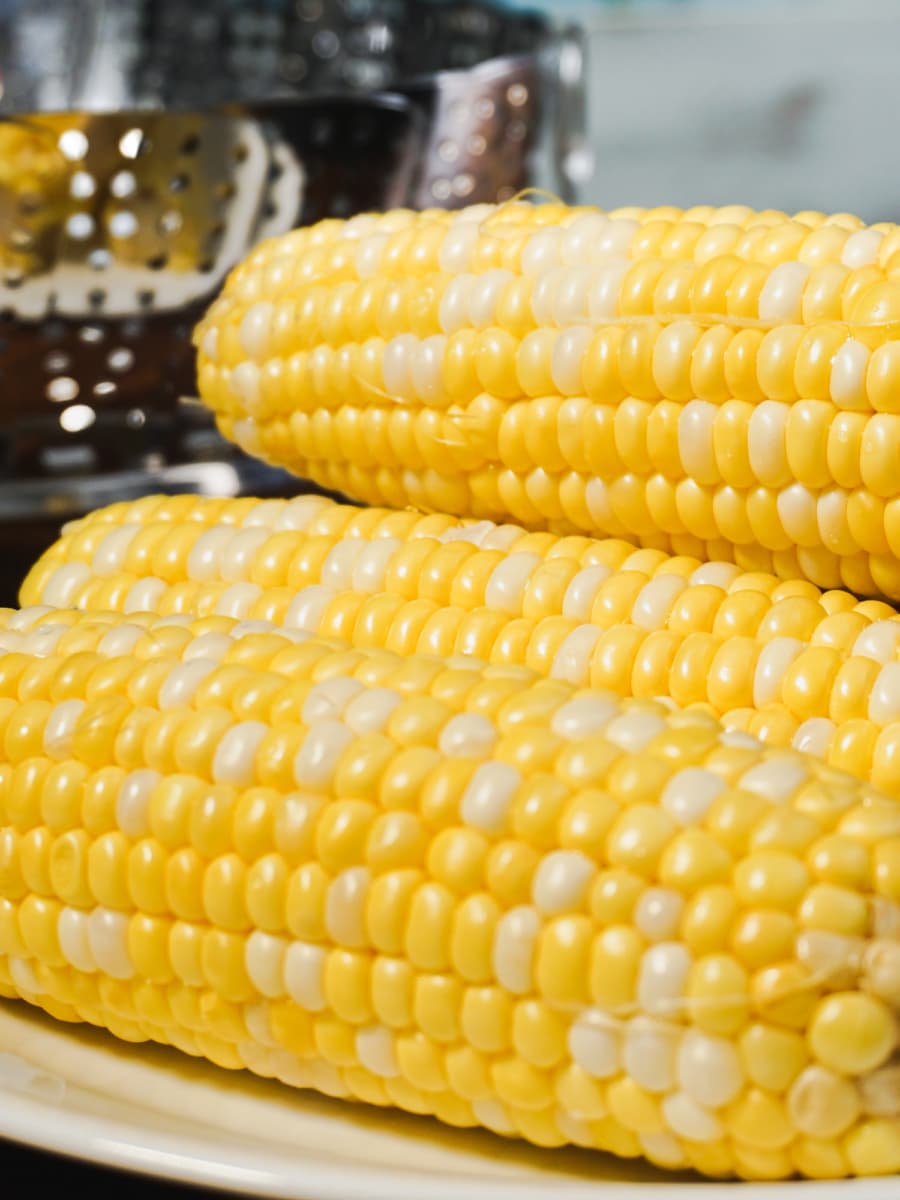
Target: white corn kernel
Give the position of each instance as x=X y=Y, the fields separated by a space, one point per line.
x=144 y=595
x=467 y=735
x=340 y=563
x=715 y=574
x=767 y=443
x=108 y=940
x=182 y=682
x=695 y=441
x=109 y=557
x=133 y=801
x=513 y=950
x=847 y=383
x=884 y=697
x=595 y=1043
x=582 y=591
x=256 y=329
x=345 y=907
x=234 y=759
x=771 y=667
x=657 y=913
x=239 y=551
x=561 y=880
x=60 y=728
x=308 y=607
x=237 y=600
x=304 y=975
x=484 y=295
x=878 y=641
x=633 y=730
x=567 y=359
x=654 y=601
x=488 y=795
x=371 y=565
x=781 y=297
x=64 y=583
x=298 y=514
x=375 y=1050
x=244 y=381
x=72 y=931
x=583 y=716
x=814 y=736
x=861 y=248
x=264 y=960
x=688 y=794
x=606 y=284
x=662 y=978
x=204 y=559
x=371 y=710
x=506 y=586
x=316 y=761
x=709 y=1069
x=775 y=779
x=328 y=699
x=648 y=1052
x=690 y=1120
x=572 y=660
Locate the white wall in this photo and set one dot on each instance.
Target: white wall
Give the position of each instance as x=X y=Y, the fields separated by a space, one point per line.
x=792 y=105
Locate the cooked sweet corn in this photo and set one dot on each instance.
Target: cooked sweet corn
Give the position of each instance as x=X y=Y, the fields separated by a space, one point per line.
x=35 y=181
x=456 y=889
x=718 y=383
x=782 y=661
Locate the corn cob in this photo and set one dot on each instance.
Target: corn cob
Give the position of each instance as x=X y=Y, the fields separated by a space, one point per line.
x=781 y=661
x=715 y=383
x=34 y=184
x=459 y=890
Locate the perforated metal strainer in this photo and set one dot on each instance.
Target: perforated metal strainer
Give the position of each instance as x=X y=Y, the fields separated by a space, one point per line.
x=146 y=145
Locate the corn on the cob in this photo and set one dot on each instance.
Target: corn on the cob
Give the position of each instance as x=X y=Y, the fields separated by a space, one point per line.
x=716 y=383
x=782 y=661
x=34 y=185
x=458 y=890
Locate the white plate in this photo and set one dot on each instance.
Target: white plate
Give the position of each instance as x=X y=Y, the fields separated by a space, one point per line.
x=74 y=1090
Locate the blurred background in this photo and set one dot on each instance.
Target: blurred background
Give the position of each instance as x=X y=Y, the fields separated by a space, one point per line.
x=773 y=103
x=147 y=145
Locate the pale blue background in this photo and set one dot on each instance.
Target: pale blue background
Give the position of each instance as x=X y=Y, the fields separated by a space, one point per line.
x=789 y=104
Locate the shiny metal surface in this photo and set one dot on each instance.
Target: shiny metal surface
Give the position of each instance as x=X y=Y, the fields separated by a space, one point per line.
x=146 y=145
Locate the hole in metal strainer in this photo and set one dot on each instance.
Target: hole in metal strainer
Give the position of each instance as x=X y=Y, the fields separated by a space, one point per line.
x=77 y=417
x=80 y=226
x=73 y=144
x=121 y=359
x=122 y=185
x=62 y=389
x=169 y=223
x=123 y=224
x=133 y=143
x=56 y=362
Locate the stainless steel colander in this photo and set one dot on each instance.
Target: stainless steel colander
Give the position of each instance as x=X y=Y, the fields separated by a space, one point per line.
x=146 y=145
